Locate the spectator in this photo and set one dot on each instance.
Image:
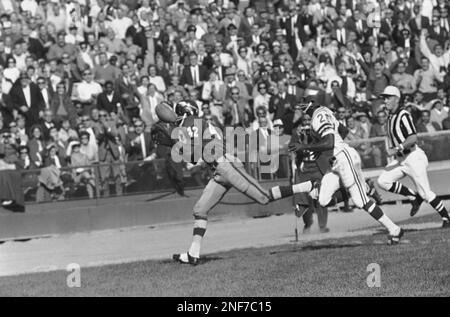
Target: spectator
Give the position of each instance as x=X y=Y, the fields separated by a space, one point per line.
x=66 y=133
x=438 y=112
x=426 y=79
x=27 y=99
x=426 y=125
x=47 y=123
x=88 y=148
x=236 y=110
x=446 y=123
x=193 y=76
x=404 y=81
x=126 y=87
x=36 y=146
x=109 y=154
x=78 y=162
x=9 y=148
x=24 y=161
x=87 y=91
x=156 y=80
x=61 y=105
x=139 y=144
x=110 y=100
x=281 y=102
x=60 y=47
x=379 y=128
x=105 y=72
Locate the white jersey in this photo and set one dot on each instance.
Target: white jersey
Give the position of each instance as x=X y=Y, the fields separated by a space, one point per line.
x=323 y=122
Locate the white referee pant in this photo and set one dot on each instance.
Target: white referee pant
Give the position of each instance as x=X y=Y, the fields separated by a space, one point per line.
x=347 y=168
x=415 y=166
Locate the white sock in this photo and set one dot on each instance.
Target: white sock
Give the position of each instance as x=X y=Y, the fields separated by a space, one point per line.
x=305 y=187
x=195 y=246
x=388 y=224
x=197 y=238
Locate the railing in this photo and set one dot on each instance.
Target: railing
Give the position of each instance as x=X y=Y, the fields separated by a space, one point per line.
x=132 y=178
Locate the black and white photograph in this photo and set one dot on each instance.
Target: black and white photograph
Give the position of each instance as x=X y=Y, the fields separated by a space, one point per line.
x=224 y=154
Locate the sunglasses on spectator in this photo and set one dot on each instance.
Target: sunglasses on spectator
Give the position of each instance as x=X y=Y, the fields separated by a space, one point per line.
x=262 y=87
x=138 y=125
x=101 y=115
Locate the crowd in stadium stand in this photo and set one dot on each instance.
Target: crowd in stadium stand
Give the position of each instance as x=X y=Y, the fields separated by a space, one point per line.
x=80 y=79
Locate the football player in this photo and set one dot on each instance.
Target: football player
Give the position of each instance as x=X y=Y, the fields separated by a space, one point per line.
x=345 y=168
x=229 y=172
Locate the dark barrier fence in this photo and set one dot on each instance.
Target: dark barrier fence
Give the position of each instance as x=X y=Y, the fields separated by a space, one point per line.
x=132 y=178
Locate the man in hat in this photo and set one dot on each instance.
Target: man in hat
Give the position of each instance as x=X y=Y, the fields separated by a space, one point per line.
x=27 y=99
x=230 y=82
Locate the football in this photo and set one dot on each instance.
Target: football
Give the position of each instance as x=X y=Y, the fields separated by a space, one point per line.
x=165 y=113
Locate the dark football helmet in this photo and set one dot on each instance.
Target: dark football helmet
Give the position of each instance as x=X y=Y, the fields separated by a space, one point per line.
x=186 y=108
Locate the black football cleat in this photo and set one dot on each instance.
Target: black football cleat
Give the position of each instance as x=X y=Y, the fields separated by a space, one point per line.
x=191 y=260
x=416 y=205
x=446 y=224
x=393 y=240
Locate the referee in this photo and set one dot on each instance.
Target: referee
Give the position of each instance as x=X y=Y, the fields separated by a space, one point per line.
x=409 y=160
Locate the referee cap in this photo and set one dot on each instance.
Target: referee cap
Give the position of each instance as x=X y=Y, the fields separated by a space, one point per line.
x=391 y=91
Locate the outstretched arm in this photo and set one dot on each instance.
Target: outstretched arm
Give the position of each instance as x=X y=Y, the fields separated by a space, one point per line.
x=326 y=143
x=424 y=47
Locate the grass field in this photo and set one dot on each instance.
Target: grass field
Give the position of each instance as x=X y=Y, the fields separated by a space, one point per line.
x=338 y=267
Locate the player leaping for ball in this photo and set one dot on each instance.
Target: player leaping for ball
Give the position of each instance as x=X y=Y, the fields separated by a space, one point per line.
x=229 y=172
x=345 y=168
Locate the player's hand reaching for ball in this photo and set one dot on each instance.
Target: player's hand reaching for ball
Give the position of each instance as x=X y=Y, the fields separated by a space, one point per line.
x=296 y=147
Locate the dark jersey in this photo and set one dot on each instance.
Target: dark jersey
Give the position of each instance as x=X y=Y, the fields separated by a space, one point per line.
x=201 y=139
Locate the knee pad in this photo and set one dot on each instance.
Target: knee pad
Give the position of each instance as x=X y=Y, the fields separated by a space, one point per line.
x=199 y=212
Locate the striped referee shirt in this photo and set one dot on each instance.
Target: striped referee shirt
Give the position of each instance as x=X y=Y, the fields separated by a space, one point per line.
x=400 y=127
